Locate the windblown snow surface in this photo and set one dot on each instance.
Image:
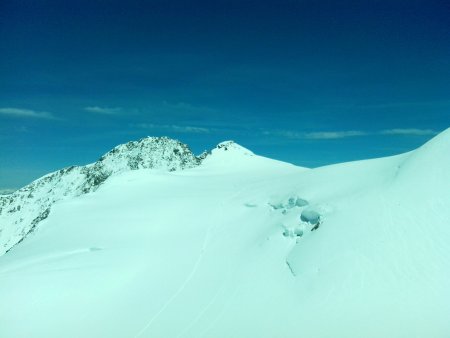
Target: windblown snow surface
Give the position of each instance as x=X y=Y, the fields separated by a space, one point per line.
x=242 y=246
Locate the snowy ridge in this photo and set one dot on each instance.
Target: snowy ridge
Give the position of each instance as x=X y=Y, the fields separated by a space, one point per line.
x=232 y=147
x=430 y=163
x=228 y=157
x=22 y=210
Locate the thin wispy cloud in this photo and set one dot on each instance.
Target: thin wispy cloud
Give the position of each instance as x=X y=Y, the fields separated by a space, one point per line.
x=189 y=129
x=333 y=135
x=103 y=110
x=319 y=135
x=26 y=113
x=409 y=132
x=330 y=135
x=174 y=128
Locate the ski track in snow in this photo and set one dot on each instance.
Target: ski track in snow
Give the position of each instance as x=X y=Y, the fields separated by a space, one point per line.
x=202 y=311
x=220 y=314
x=193 y=270
x=177 y=292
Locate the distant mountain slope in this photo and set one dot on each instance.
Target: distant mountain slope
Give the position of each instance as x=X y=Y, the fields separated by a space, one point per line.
x=22 y=210
x=242 y=246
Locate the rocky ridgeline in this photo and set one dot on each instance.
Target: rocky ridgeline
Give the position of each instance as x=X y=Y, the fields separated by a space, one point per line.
x=21 y=211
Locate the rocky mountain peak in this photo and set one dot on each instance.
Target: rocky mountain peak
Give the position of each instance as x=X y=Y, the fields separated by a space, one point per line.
x=149 y=153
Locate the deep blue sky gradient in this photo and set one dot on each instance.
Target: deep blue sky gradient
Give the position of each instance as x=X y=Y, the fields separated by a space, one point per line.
x=308 y=82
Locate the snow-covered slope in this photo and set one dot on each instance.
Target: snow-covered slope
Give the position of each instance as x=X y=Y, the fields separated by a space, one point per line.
x=21 y=211
x=242 y=246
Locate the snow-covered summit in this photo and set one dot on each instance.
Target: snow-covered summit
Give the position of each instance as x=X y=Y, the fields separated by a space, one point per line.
x=232 y=147
x=229 y=156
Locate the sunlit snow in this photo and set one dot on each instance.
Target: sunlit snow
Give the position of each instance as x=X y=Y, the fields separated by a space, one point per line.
x=240 y=246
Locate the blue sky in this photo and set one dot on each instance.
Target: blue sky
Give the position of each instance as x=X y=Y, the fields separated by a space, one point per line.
x=308 y=82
